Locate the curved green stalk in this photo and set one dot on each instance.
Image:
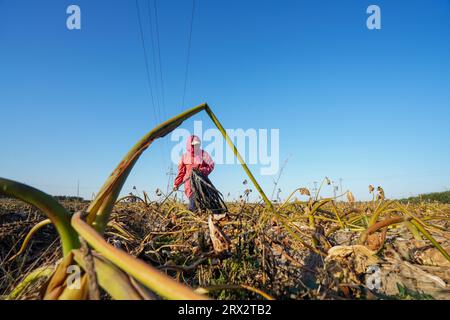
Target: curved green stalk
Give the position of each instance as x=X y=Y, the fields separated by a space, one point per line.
x=378 y=211
x=101 y=207
x=58 y=215
x=337 y=215
x=120 y=288
x=205 y=290
x=413 y=230
x=43 y=272
x=320 y=187
x=289 y=198
x=319 y=204
x=144 y=273
x=131 y=197
x=238 y=156
x=28 y=237
x=427 y=235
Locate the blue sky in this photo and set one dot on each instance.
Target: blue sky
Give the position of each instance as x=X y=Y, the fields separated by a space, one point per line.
x=367 y=106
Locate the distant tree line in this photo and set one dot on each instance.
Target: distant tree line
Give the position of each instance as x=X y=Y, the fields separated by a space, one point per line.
x=443 y=197
x=69 y=198
x=59 y=198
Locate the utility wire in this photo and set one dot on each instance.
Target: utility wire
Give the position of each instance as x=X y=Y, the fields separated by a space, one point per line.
x=188 y=58
x=152 y=40
x=159 y=58
x=164 y=147
x=149 y=81
x=157 y=68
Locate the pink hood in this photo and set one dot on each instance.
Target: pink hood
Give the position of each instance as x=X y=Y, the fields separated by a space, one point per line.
x=191 y=156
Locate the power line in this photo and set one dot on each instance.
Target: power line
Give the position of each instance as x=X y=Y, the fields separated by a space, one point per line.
x=188 y=54
x=159 y=57
x=149 y=81
x=152 y=40
x=157 y=67
x=147 y=68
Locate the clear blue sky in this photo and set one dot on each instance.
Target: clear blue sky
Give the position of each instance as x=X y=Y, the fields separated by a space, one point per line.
x=370 y=107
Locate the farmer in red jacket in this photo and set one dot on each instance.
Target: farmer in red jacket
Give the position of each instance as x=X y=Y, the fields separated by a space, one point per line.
x=193 y=158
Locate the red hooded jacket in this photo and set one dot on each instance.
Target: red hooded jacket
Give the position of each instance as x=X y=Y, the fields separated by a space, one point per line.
x=201 y=160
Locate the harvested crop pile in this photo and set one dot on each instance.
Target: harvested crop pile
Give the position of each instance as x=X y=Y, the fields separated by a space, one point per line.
x=206 y=196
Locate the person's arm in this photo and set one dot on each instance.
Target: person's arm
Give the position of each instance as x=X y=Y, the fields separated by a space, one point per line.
x=207 y=165
x=181 y=174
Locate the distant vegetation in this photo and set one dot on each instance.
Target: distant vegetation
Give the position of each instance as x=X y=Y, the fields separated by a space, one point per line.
x=69 y=198
x=443 y=197
x=60 y=198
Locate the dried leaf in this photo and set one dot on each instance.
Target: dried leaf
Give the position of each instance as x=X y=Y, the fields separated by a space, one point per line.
x=360 y=256
x=304 y=192
x=220 y=241
x=350 y=197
